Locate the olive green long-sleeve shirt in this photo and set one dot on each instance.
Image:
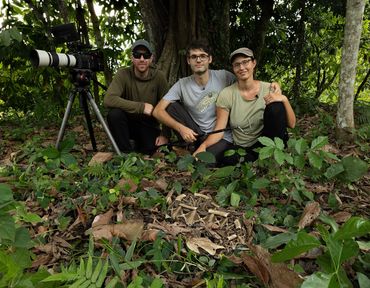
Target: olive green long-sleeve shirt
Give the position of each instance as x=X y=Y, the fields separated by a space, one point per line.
x=129 y=92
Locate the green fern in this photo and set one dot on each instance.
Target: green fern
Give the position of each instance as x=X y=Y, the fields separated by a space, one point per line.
x=88 y=275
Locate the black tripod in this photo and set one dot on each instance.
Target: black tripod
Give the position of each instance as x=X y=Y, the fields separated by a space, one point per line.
x=81 y=80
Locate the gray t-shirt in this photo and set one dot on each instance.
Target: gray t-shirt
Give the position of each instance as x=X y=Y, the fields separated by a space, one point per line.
x=199 y=101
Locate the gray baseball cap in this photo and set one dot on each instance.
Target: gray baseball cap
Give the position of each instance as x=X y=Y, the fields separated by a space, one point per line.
x=143 y=43
x=242 y=51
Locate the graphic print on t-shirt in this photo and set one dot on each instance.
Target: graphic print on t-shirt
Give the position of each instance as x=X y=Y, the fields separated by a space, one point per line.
x=208 y=100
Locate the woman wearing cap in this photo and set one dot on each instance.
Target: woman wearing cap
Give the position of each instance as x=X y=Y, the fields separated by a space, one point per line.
x=252 y=108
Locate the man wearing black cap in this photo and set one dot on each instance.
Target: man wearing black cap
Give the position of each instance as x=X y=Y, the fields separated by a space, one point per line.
x=131 y=97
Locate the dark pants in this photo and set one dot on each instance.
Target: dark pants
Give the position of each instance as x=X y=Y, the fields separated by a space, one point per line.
x=141 y=128
x=178 y=112
x=274 y=125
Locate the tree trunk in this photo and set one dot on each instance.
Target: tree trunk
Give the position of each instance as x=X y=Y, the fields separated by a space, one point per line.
x=172 y=25
x=352 y=35
x=261 y=27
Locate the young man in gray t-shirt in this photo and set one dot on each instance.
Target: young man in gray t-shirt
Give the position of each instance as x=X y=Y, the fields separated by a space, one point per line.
x=189 y=106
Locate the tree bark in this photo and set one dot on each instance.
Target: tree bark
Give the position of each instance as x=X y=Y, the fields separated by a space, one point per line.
x=352 y=35
x=172 y=25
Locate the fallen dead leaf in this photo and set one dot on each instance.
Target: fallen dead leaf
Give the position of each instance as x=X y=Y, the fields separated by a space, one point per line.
x=100 y=158
x=257 y=268
x=341 y=217
x=150 y=235
x=103 y=219
x=280 y=276
x=129 y=230
x=310 y=213
x=272 y=228
x=200 y=242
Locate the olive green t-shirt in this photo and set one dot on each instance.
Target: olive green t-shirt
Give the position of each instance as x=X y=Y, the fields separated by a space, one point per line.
x=246 y=116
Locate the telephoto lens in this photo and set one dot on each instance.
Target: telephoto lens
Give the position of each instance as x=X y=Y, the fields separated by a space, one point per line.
x=41 y=58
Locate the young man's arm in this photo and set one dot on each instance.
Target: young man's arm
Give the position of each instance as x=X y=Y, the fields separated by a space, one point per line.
x=162 y=115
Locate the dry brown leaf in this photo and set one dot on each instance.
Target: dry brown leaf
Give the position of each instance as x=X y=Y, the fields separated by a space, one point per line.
x=41 y=260
x=191 y=217
x=257 y=268
x=150 y=235
x=103 y=219
x=129 y=230
x=200 y=242
x=280 y=275
x=341 y=216
x=127 y=185
x=272 y=228
x=100 y=158
x=310 y=213
x=161 y=184
x=129 y=200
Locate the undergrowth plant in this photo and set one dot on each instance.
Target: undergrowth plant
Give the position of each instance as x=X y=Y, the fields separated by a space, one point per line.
x=340 y=245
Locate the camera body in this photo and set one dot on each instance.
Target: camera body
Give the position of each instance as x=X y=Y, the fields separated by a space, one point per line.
x=81 y=56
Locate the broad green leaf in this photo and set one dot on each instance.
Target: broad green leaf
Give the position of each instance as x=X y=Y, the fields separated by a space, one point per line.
x=279 y=156
x=330 y=221
x=260 y=183
x=363 y=280
x=334 y=170
x=275 y=241
x=15 y=34
x=301 y=146
x=317 y=280
x=315 y=160
x=319 y=142
x=303 y=243
x=354 y=168
x=266 y=152
x=7 y=227
x=6 y=194
x=68 y=159
x=223 y=172
x=229 y=152
x=266 y=141
x=5 y=38
x=343 y=280
x=22 y=238
x=206 y=157
x=184 y=162
x=354 y=227
x=235 y=199
x=51 y=153
x=157 y=283
x=279 y=143
x=341 y=251
x=66 y=145
x=299 y=161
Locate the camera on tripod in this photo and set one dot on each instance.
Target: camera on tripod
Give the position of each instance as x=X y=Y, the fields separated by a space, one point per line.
x=81 y=57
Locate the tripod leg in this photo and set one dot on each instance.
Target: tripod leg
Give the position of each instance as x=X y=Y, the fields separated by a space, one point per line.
x=83 y=101
x=65 y=118
x=101 y=119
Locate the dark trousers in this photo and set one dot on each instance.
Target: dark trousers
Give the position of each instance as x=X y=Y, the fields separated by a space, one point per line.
x=274 y=125
x=178 y=112
x=141 y=128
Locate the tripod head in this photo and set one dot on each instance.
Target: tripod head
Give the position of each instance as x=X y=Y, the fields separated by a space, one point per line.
x=81 y=77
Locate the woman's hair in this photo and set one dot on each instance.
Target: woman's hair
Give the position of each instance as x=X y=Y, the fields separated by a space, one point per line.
x=200 y=44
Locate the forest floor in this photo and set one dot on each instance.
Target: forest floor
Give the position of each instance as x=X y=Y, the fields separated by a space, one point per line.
x=167 y=201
